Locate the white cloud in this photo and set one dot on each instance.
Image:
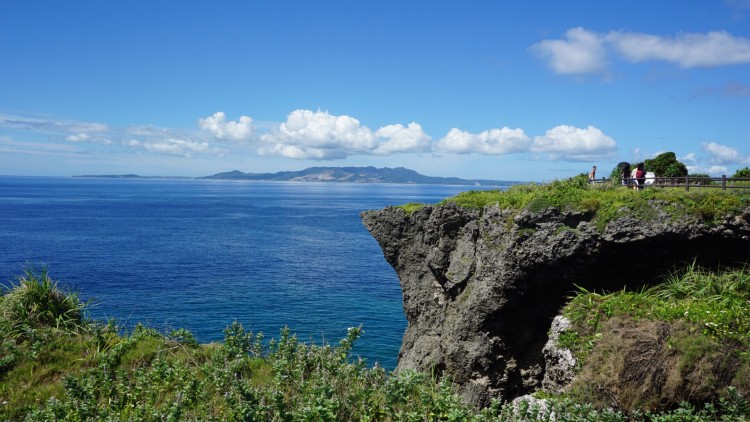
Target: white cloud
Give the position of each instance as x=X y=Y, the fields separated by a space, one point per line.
x=584 y=51
x=493 y=142
x=570 y=143
x=79 y=137
x=689 y=158
x=221 y=128
x=319 y=135
x=58 y=127
x=581 y=52
x=85 y=137
x=722 y=154
x=713 y=171
x=170 y=146
x=398 y=138
x=717 y=48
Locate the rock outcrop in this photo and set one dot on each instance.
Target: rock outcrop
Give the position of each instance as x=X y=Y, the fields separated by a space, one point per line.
x=481 y=287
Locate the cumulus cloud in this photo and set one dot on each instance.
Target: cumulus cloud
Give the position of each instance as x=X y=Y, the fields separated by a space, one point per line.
x=717 y=48
x=320 y=135
x=493 y=142
x=221 y=128
x=722 y=154
x=570 y=143
x=397 y=138
x=582 y=51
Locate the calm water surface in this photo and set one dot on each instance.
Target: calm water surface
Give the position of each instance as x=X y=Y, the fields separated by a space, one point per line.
x=200 y=254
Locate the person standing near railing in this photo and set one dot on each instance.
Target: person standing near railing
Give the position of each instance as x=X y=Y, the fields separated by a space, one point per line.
x=640 y=176
x=592 y=175
x=625 y=173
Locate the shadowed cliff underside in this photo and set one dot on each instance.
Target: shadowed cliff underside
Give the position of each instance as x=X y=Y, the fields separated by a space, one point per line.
x=481 y=287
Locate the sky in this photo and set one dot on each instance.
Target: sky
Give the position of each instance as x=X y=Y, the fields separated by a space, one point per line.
x=525 y=90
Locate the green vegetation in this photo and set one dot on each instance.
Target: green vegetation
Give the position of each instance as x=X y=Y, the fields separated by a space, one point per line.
x=700 y=178
x=411 y=207
x=743 y=172
x=57 y=365
x=666 y=165
x=609 y=201
x=694 y=328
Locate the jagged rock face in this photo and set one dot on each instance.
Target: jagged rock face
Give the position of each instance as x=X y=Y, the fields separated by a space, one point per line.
x=559 y=362
x=481 y=288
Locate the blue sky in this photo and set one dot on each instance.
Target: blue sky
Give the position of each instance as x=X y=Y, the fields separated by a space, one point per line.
x=530 y=90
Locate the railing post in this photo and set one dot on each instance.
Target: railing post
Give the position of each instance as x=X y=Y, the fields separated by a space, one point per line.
x=724 y=182
x=687 y=183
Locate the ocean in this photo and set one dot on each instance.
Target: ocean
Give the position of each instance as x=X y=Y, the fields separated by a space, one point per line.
x=200 y=254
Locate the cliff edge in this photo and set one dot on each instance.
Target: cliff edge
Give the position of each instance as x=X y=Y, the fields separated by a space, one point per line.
x=481 y=286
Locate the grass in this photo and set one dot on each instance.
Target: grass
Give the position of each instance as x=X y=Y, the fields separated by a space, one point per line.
x=87 y=370
x=36 y=301
x=608 y=201
x=696 y=324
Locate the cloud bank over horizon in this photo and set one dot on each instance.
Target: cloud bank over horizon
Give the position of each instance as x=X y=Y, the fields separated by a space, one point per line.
x=320 y=135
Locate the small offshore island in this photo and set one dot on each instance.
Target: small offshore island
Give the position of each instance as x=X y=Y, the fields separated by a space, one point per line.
x=580 y=301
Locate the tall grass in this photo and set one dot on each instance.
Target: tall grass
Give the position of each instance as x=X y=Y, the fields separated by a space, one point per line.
x=700 y=318
x=37 y=301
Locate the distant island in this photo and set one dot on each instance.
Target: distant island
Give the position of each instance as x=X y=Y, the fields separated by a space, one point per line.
x=338 y=174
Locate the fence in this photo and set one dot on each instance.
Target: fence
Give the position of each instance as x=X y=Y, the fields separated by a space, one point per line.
x=687 y=182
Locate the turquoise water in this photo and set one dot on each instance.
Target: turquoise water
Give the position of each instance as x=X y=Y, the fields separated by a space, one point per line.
x=200 y=254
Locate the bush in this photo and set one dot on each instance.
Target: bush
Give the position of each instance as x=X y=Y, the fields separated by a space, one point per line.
x=666 y=165
x=36 y=301
x=743 y=172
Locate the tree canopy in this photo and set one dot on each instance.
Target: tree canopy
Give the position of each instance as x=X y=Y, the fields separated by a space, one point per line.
x=666 y=165
x=743 y=172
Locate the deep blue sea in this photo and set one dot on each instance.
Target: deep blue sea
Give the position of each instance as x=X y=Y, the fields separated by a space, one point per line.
x=199 y=254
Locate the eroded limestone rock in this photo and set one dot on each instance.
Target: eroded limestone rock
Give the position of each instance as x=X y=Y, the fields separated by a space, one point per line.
x=481 y=287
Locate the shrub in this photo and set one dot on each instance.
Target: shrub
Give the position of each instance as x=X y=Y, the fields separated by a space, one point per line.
x=666 y=165
x=36 y=301
x=743 y=172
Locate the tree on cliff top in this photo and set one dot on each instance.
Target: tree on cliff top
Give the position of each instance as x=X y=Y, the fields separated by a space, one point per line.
x=743 y=172
x=666 y=165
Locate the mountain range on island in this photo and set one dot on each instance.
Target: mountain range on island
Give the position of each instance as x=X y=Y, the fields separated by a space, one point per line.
x=336 y=174
x=356 y=175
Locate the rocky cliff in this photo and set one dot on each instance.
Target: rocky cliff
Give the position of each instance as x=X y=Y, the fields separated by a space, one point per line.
x=481 y=287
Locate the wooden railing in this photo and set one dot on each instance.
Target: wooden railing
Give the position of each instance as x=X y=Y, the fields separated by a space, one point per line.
x=687 y=182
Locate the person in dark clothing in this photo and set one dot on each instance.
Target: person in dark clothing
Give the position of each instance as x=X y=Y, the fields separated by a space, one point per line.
x=640 y=175
x=625 y=173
